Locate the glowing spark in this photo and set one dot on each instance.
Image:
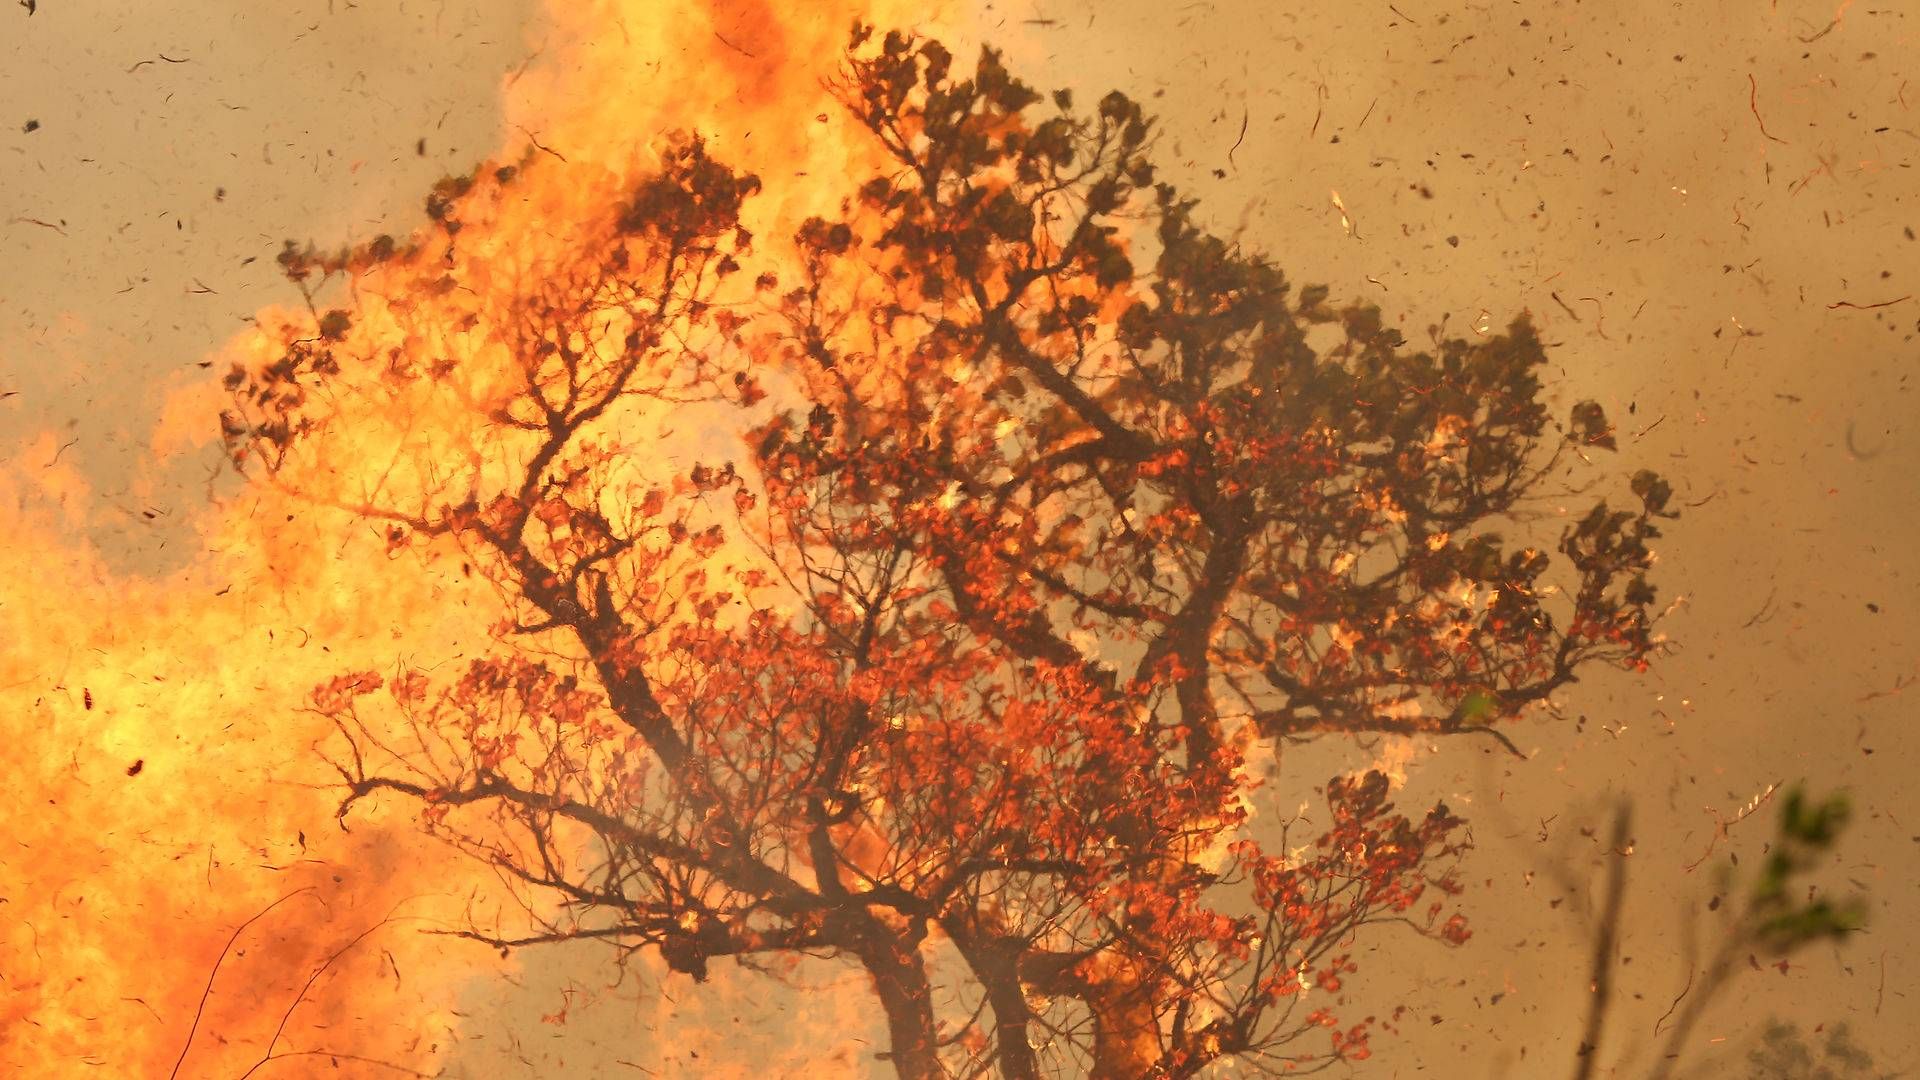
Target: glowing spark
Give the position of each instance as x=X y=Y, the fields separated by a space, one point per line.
x=1346 y=222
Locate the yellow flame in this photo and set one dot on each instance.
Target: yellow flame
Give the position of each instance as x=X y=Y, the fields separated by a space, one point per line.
x=163 y=788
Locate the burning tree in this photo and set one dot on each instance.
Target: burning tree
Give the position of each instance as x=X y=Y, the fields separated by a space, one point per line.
x=1052 y=507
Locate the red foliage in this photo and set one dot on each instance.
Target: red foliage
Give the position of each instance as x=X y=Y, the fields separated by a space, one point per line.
x=1053 y=520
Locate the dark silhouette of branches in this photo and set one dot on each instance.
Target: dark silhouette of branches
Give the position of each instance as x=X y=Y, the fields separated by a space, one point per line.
x=201 y=1006
x=1052 y=507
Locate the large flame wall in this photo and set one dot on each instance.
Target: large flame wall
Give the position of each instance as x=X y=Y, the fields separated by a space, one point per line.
x=176 y=893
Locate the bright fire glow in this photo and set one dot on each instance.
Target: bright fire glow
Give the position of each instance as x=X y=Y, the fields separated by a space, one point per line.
x=161 y=787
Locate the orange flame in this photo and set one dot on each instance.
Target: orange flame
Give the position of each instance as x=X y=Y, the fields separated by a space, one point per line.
x=175 y=895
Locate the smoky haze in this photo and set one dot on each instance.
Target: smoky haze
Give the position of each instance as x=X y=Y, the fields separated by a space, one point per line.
x=1708 y=209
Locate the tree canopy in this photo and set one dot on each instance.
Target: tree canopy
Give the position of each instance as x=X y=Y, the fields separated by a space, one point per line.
x=1048 y=508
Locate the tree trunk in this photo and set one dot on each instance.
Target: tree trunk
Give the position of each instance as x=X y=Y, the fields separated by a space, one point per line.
x=996 y=963
x=1120 y=1002
x=1012 y=1018
x=900 y=979
x=1126 y=1031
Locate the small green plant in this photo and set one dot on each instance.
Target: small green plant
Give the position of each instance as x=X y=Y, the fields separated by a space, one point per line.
x=1806 y=830
x=1781 y=915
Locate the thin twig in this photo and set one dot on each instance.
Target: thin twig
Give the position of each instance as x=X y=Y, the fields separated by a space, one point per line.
x=1599 y=318
x=1761 y=615
x=302 y=995
x=1720 y=827
x=1684 y=991
x=1753 y=102
x=1499 y=737
x=1900 y=683
x=39 y=222
x=362 y=1059
x=540 y=146
x=1245 y=115
x=1869 y=307
x=1821 y=34
x=211 y=975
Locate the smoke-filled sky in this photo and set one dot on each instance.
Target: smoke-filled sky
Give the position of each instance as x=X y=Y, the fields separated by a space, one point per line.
x=1710 y=209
